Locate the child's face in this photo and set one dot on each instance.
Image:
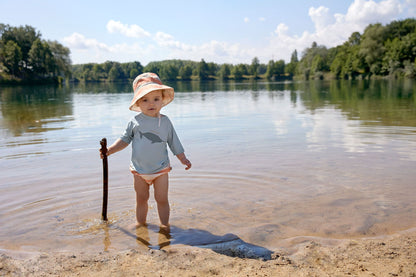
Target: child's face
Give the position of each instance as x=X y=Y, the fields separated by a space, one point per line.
x=151 y=103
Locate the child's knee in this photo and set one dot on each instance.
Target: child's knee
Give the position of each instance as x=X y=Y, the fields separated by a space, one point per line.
x=142 y=197
x=162 y=200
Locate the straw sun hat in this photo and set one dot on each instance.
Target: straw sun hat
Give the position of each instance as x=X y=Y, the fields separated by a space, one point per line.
x=146 y=83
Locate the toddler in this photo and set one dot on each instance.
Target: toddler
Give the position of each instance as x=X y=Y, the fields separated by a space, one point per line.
x=150 y=132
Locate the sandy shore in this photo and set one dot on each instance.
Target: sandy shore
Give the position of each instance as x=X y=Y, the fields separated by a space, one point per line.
x=392 y=256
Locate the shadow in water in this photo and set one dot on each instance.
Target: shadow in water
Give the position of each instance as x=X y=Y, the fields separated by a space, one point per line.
x=229 y=244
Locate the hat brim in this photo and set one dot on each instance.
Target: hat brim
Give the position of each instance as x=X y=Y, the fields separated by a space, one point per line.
x=168 y=95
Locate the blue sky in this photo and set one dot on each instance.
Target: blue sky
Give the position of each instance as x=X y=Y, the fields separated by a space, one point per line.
x=233 y=31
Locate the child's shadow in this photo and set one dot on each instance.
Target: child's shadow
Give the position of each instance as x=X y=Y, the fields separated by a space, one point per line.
x=229 y=244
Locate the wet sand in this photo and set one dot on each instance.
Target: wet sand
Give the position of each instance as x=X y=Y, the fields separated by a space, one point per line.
x=388 y=256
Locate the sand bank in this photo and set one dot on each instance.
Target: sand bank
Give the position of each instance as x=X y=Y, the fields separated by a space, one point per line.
x=388 y=256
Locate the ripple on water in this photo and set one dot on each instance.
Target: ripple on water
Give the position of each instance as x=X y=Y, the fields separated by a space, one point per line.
x=265 y=210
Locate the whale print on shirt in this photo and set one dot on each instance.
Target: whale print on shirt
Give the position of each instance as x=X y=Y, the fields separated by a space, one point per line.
x=150 y=136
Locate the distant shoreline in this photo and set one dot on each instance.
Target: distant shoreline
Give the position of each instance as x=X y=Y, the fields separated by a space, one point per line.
x=18 y=82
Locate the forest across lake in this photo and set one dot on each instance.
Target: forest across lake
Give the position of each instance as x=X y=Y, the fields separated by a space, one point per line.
x=380 y=51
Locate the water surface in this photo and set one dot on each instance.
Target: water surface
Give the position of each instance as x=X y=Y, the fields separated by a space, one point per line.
x=273 y=164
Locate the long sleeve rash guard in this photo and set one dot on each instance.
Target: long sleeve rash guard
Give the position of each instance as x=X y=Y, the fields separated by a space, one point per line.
x=150 y=137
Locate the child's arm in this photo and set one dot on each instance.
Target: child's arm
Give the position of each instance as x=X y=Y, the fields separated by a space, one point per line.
x=184 y=160
x=118 y=145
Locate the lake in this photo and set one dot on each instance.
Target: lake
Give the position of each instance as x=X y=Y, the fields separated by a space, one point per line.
x=275 y=164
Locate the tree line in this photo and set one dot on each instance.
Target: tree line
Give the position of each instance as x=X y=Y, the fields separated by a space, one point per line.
x=380 y=51
x=24 y=55
x=388 y=50
x=167 y=70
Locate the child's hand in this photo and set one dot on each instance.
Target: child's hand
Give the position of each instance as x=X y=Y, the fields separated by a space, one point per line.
x=184 y=160
x=187 y=163
x=118 y=145
x=101 y=154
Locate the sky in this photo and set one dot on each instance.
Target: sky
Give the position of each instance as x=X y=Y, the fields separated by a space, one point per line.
x=219 y=31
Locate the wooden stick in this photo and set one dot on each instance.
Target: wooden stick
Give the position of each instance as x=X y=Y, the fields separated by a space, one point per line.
x=103 y=143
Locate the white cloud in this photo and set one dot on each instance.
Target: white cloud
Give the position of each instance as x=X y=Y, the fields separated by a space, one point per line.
x=133 y=31
x=219 y=49
x=320 y=16
x=331 y=30
x=210 y=51
x=166 y=47
x=281 y=29
x=262 y=19
x=167 y=40
x=324 y=133
x=366 y=12
x=79 y=41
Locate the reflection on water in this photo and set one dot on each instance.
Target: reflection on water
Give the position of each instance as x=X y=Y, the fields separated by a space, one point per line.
x=273 y=162
x=26 y=109
x=29 y=109
x=374 y=103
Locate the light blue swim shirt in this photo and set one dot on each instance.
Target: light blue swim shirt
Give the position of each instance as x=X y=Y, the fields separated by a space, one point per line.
x=149 y=137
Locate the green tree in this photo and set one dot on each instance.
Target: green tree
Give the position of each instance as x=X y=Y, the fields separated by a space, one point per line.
x=24 y=36
x=115 y=72
x=275 y=69
x=279 y=67
x=202 y=70
x=11 y=56
x=409 y=69
x=40 y=58
x=317 y=67
x=398 y=51
x=262 y=68
x=354 y=39
x=345 y=60
x=401 y=28
x=291 y=66
x=270 y=69
x=61 y=56
x=134 y=72
x=304 y=67
x=97 y=72
x=255 y=63
x=238 y=71
x=224 y=72
x=134 y=69
x=212 y=69
x=107 y=66
x=185 y=72
x=337 y=64
x=2 y=28
x=168 y=72
x=372 y=47
x=151 y=67
x=86 y=72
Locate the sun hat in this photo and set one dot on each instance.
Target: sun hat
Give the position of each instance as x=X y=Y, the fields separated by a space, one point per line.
x=146 y=83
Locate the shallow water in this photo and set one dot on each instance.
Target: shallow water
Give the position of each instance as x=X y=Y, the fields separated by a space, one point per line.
x=273 y=164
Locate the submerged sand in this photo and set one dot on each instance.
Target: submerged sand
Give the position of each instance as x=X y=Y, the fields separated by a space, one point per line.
x=388 y=256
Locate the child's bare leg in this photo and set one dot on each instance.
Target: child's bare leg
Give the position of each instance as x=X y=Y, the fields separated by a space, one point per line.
x=142 y=196
x=161 y=186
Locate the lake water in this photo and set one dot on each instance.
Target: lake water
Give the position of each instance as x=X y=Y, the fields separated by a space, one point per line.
x=275 y=164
